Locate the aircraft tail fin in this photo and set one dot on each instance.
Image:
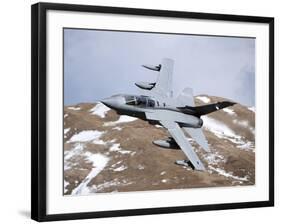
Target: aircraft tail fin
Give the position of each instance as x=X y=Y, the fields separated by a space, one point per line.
x=163 y=84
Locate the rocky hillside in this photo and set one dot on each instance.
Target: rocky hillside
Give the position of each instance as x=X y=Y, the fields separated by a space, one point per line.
x=105 y=152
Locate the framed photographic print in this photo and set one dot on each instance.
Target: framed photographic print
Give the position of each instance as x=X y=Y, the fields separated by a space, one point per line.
x=139 y=111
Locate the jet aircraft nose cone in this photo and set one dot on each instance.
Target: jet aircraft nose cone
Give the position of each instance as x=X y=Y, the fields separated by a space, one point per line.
x=113 y=102
x=108 y=102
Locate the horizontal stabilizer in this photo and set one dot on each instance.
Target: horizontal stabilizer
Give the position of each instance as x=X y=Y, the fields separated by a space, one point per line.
x=206 y=109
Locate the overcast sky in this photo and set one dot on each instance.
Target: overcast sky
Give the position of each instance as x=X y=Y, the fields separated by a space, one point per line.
x=98 y=64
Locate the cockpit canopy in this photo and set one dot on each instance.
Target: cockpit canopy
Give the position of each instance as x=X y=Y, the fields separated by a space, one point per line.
x=143 y=101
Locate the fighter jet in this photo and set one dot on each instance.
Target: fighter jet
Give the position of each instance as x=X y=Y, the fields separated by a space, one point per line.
x=178 y=115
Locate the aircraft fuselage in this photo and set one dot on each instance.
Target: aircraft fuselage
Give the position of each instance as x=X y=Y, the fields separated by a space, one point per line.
x=152 y=109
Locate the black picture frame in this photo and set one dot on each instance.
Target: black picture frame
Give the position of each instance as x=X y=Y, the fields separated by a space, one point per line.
x=39 y=108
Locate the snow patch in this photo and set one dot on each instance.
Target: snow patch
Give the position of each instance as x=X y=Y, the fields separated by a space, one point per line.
x=115 y=147
x=229 y=111
x=85 y=136
x=228 y=175
x=224 y=132
x=214 y=158
x=100 y=110
x=65 y=184
x=242 y=123
x=221 y=130
x=245 y=124
x=114 y=182
x=162 y=173
x=115 y=164
x=246 y=146
x=99 y=142
x=140 y=167
x=120 y=168
x=164 y=181
x=70 y=153
x=117 y=128
x=65 y=116
x=158 y=126
x=217 y=127
x=124 y=151
x=113 y=140
x=74 y=108
x=122 y=119
x=66 y=130
x=99 y=162
x=203 y=99
x=253 y=109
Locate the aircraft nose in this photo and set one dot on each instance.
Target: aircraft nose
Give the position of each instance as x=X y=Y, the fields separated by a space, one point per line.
x=108 y=102
x=112 y=102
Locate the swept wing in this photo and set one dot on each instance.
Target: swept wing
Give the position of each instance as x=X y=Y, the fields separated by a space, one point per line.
x=178 y=135
x=198 y=135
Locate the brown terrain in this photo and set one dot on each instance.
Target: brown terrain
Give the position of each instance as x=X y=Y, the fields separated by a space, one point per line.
x=105 y=152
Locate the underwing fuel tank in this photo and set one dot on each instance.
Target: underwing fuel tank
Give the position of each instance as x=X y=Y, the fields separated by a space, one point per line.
x=145 y=85
x=167 y=143
x=153 y=67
